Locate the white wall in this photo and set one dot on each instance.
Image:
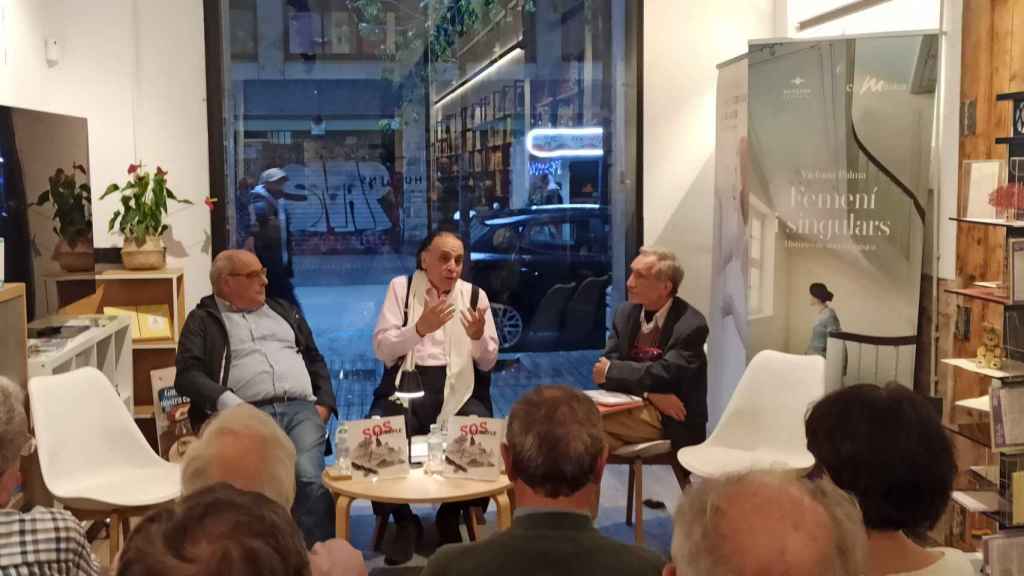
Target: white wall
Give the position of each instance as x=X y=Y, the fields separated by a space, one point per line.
x=683 y=44
x=135 y=70
x=887 y=17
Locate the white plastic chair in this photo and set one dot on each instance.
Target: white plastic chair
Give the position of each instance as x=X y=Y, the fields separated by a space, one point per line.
x=93 y=458
x=763 y=424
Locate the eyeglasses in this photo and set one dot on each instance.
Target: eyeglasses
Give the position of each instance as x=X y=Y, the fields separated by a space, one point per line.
x=261 y=273
x=29 y=447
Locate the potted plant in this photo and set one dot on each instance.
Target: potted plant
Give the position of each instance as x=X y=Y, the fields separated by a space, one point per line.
x=141 y=217
x=72 y=203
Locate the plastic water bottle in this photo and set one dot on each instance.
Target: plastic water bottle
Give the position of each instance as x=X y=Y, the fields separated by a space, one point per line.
x=341 y=459
x=435 y=449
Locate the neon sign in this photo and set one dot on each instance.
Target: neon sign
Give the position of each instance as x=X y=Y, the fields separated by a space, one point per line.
x=565 y=142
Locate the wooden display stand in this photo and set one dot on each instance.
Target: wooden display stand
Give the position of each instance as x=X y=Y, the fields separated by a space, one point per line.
x=90 y=292
x=14 y=365
x=13 y=342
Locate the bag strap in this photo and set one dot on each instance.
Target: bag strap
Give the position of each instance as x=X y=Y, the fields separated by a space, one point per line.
x=405 y=309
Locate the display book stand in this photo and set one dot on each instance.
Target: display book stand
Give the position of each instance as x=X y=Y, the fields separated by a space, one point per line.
x=91 y=292
x=985 y=414
x=13 y=362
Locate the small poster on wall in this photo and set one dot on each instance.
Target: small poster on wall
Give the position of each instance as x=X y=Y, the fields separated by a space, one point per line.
x=379 y=448
x=474 y=448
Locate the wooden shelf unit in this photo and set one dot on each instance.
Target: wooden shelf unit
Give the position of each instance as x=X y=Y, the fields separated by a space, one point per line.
x=88 y=293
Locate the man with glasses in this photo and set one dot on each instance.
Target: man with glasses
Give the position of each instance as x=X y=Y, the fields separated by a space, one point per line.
x=238 y=346
x=42 y=541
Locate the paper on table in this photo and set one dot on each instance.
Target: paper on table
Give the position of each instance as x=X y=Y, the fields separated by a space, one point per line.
x=608 y=398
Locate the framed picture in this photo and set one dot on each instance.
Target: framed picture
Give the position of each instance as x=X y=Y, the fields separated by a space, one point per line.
x=980 y=179
x=1015 y=254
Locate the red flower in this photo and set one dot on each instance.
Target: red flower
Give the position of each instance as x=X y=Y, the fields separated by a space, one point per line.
x=209 y=202
x=78 y=167
x=133 y=168
x=1007 y=197
x=160 y=171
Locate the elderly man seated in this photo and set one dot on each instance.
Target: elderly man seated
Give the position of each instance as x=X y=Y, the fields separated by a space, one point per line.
x=238 y=346
x=42 y=541
x=767 y=524
x=554 y=454
x=245 y=448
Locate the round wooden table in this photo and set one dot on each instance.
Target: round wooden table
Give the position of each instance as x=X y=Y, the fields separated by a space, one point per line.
x=417 y=488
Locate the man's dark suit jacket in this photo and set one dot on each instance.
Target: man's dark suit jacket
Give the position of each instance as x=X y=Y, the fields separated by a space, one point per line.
x=545 y=544
x=682 y=370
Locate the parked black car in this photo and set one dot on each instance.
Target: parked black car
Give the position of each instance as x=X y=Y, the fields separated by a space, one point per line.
x=546 y=270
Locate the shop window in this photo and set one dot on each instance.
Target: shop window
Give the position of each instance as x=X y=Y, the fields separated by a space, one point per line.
x=394 y=118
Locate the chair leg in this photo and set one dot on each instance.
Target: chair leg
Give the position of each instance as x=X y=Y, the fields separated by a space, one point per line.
x=638 y=498
x=379 y=529
x=114 y=542
x=629 y=497
x=469 y=516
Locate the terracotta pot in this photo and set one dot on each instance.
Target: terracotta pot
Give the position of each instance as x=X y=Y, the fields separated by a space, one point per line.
x=149 y=256
x=81 y=258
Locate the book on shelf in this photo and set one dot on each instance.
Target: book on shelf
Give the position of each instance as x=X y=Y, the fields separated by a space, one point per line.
x=148 y=322
x=1007 y=415
x=474 y=448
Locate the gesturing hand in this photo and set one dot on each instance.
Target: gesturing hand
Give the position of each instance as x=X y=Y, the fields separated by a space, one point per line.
x=668 y=404
x=473 y=322
x=434 y=316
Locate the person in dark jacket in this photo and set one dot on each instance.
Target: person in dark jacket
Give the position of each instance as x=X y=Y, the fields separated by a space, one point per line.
x=237 y=347
x=656 y=350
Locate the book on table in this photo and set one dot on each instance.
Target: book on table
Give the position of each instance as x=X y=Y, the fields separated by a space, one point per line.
x=474 y=448
x=378 y=448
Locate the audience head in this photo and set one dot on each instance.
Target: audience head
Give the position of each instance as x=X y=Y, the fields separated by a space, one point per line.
x=239 y=278
x=654 y=278
x=14 y=437
x=440 y=256
x=244 y=447
x=554 y=443
x=217 y=531
x=766 y=524
x=886 y=446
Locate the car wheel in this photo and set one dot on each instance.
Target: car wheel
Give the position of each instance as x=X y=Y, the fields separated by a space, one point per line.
x=509 y=324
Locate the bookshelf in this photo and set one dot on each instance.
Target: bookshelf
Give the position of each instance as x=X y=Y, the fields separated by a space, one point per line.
x=90 y=292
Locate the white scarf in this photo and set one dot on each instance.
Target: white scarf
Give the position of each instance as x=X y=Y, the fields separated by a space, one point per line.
x=459 y=380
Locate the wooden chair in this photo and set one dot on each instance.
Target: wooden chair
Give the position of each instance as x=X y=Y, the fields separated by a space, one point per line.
x=636 y=456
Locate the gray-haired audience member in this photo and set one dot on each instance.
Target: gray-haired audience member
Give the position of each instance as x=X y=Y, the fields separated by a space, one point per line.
x=217 y=531
x=244 y=447
x=767 y=524
x=42 y=541
x=554 y=454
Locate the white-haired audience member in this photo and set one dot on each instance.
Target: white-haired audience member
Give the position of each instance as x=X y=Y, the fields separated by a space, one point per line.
x=42 y=541
x=244 y=447
x=767 y=524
